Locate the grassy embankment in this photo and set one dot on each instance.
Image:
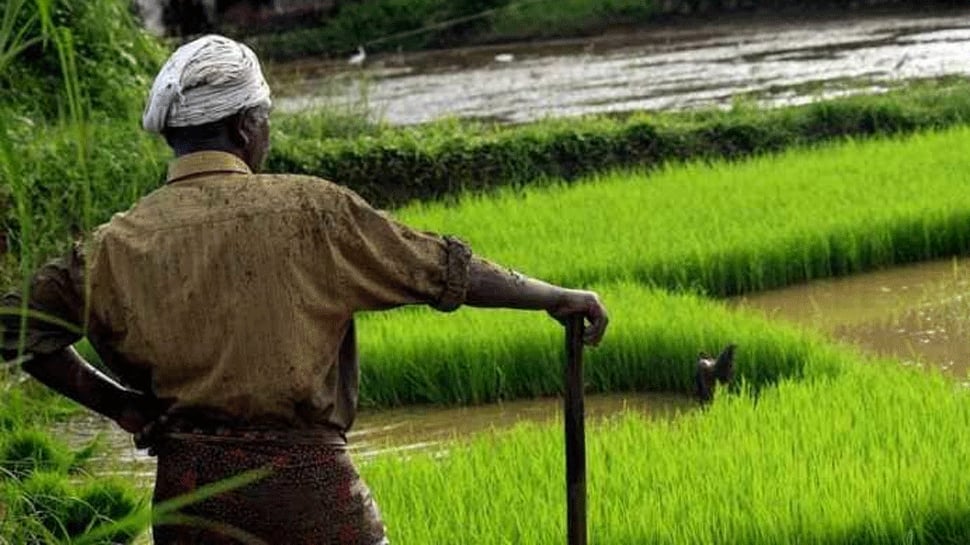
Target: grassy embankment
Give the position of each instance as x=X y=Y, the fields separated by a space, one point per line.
x=391 y=166
x=420 y=24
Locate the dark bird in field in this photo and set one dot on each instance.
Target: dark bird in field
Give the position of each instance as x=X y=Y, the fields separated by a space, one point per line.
x=711 y=372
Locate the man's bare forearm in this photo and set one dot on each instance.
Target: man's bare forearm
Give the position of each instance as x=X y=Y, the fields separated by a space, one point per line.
x=493 y=286
x=69 y=374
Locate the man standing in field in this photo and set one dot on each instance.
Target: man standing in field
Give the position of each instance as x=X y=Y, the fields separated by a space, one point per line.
x=224 y=303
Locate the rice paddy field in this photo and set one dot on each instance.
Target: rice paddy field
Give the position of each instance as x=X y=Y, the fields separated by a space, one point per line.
x=711 y=229
x=477 y=356
x=816 y=444
x=725 y=228
x=876 y=454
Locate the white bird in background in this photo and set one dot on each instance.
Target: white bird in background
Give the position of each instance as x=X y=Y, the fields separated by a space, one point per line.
x=359 y=58
x=504 y=57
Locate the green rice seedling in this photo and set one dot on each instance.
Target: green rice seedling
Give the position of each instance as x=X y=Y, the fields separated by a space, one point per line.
x=25 y=452
x=100 y=503
x=45 y=500
x=731 y=228
x=48 y=508
x=872 y=455
x=477 y=356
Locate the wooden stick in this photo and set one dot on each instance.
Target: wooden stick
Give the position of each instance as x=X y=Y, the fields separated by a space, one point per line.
x=575 y=435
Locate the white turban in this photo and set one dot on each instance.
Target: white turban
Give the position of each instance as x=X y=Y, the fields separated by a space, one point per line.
x=204 y=81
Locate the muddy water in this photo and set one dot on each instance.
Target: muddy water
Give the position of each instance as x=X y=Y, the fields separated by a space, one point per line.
x=397 y=431
x=778 y=61
x=919 y=314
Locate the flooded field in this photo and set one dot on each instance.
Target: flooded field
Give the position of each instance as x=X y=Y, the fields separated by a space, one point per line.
x=919 y=314
x=774 y=60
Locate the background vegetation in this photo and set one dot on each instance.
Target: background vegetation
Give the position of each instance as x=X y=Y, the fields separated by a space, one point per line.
x=68 y=176
x=110 y=58
x=391 y=166
x=417 y=24
x=63 y=64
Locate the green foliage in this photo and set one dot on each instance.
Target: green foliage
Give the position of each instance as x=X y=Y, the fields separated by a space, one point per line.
x=44 y=498
x=59 y=195
x=418 y=24
x=546 y=19
x=49 y=508
x=372 y=22
x=391 y=166
x=726 y=229
x=480 y=356
x=102 y=502
x=28 y=451
x=115 y=58
x=852 y=458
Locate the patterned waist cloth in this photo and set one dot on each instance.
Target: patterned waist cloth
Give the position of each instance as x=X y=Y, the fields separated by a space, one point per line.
x=307 y=490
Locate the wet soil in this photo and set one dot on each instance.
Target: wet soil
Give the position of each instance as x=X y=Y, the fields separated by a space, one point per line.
x=919 y=314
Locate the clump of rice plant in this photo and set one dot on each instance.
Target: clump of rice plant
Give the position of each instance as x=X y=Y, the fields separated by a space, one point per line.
x=478 y=356
x=731 y=228
x=871 y=455
x=25 y=452
x=48 y=508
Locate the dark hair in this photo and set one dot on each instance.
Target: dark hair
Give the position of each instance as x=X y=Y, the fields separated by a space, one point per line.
x=215 y=135
x=179 y=137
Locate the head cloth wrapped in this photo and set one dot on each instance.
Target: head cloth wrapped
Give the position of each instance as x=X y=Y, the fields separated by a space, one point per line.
x=205 y=80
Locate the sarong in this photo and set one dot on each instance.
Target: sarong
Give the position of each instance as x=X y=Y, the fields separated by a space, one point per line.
x=311 y=492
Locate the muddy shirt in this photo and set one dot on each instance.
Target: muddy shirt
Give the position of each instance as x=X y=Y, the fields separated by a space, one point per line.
x=233 y=294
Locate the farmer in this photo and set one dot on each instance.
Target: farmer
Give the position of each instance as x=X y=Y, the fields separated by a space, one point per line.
x=224 y=303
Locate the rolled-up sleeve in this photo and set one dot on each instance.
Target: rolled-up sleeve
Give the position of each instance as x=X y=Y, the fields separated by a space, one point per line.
x=383 y=263
x=55 y=306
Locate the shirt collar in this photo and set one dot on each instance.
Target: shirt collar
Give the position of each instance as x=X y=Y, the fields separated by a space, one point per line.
x=205 y=162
